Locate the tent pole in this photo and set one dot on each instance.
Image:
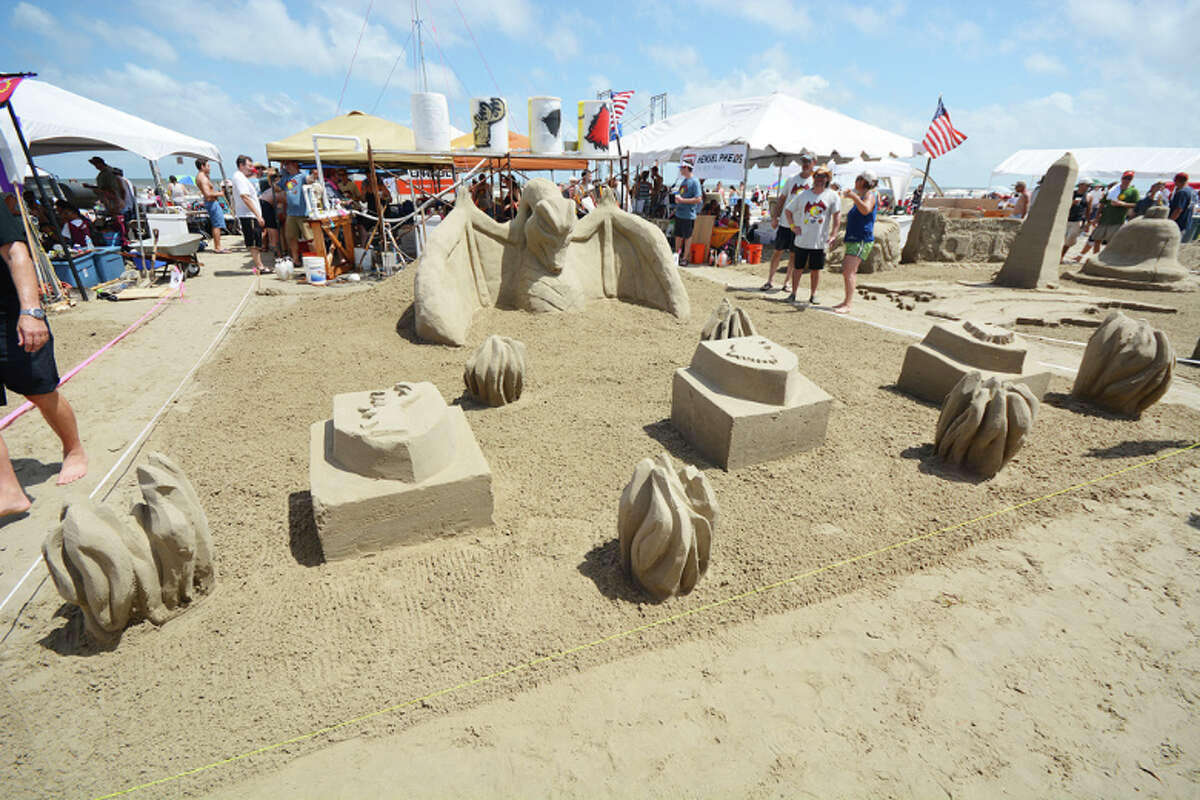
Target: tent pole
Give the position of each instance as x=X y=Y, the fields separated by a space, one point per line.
x=46 y=204
x=924 y=178
x=158 y=181
x=737 y=250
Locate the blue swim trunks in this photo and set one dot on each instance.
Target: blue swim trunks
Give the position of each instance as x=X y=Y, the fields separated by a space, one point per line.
x=216 y=215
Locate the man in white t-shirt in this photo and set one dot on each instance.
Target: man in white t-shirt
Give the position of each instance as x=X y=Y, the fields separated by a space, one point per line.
x=783 y=235
x=248 y=209
x=813 y=216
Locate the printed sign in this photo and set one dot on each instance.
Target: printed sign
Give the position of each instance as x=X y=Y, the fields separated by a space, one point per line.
x=718 y=163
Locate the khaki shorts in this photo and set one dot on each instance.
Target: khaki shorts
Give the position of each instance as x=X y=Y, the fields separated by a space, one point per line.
x=1073 y=229
x=296 y=229
x=1102 y=233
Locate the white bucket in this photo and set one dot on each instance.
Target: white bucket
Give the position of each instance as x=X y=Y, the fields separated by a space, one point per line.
x=362 y=259
x=390 y=262
x=314 y=268
x=545 y=125
x=595 y=120
x=489 y=123
x=430 y=122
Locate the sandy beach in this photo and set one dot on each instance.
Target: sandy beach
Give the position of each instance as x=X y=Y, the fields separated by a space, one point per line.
x=1045 y=650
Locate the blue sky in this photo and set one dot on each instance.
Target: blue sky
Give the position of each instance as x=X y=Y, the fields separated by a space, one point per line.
x=1069 y=73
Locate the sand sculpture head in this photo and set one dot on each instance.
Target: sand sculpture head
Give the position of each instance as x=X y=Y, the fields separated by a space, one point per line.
x=547 y=219
x=984 y=423
x=665 y=523
x=1126 y=367
x=727 y=321
x=397 y=433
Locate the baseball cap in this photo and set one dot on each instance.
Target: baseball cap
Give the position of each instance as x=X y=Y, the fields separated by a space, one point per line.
x=1181 y=177
x=1127 y=173
x=869 y=176
x=685 y=165
x=806 y=157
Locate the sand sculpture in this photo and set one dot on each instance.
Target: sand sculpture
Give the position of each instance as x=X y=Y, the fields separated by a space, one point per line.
x=119 y=574
x=544 y=260
x=743 y=401
x=727 y=321
x=884 y=255
x=1126 y=367
x=1144 y=254
x=1034 y=255
x=950 y=350
x=392 y=467
x=984 y=422
x=934 y=236
x=665 y=525
x=495 y=374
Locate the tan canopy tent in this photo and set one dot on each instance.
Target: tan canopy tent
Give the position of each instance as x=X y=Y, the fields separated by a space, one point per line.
x=393 y=139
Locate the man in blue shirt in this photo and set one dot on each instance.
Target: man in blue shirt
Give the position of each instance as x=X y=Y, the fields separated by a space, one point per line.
x=1182 y=201
x=292 y=181
x=687 y=205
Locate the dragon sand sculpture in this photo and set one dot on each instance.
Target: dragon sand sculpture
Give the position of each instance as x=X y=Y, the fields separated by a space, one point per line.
x=543 y=260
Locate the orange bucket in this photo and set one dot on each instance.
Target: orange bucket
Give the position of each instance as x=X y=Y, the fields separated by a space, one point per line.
x=699 y=254
x=753 y=253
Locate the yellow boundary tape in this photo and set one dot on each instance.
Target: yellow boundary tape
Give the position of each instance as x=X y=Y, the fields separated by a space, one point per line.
x=649 y=625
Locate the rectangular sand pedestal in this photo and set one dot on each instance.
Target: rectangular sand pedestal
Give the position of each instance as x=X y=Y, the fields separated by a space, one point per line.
x=357 y=514
x=930 y=375
x=733 y=433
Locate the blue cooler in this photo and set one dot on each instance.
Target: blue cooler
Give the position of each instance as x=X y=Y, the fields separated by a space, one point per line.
x=84 y=264
x=109 y=264
x=146 y=263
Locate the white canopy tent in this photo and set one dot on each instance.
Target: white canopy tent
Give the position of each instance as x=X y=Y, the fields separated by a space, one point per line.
x=896 y=174
x=777 y=128
x=1107 y=163
x=57 y=121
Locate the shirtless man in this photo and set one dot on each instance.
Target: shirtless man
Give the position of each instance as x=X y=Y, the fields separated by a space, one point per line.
x=216 y=214
x=27 y=363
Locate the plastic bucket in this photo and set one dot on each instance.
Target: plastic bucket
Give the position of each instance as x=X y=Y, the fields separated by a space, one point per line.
x=314 y=268
x=699 y=253
x=753 y=253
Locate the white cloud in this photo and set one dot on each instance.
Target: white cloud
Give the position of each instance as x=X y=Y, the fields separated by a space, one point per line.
x=133 y=39
x=778 y=15
x=1042 y=63
x=30 y=17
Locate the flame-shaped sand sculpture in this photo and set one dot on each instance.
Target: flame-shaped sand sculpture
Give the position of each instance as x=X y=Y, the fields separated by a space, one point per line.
x=1127 y=366
x=119 y=574
x=984 y=423
x=727 y=321
x=665 y=524
x=496 y=372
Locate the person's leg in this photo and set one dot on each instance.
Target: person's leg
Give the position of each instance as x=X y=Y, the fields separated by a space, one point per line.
x=797 y=262
x=61 y=418
x=12 y=497
x=290 y=232
x=849 y=273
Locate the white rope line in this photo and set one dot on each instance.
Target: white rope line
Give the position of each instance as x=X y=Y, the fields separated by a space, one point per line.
x=141 y=437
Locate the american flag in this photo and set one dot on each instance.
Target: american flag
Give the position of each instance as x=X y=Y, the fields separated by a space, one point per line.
x=619 y=100
x=942 y=137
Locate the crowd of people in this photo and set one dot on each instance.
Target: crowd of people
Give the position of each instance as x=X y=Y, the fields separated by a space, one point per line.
x=1100 y=210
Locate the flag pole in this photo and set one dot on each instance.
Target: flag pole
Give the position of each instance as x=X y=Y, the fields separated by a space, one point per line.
x=924 y=178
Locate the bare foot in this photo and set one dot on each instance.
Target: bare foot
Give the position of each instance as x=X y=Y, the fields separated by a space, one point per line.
x=74 y=467
x=14 y=505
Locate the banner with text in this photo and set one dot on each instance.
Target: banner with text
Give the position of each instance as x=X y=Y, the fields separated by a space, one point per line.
x=717 y=163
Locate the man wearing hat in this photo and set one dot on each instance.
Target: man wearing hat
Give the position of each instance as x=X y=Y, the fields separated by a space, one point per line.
x=687 y=205
x=1182 y=201
x=112 y=193
x=784 y=238
x=1114 y=208
x=1076 y=215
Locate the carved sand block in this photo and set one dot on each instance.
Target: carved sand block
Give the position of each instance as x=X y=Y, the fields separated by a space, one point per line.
x=1033 y=258
x=1143 y=254
x=665 y=526
x=394 y=467
x=1127 y=366
x=120 y=574
x=743 y=401
x=495 y=375
x=950 y=350
x=984 y=422
x=727 y=321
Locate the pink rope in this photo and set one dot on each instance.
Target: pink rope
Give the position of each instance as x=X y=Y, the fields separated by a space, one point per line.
x=12 y=417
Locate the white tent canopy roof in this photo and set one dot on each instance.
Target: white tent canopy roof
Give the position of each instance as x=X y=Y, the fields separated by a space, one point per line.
x=776 y=127
x=1107 y=163
x=57 y=121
